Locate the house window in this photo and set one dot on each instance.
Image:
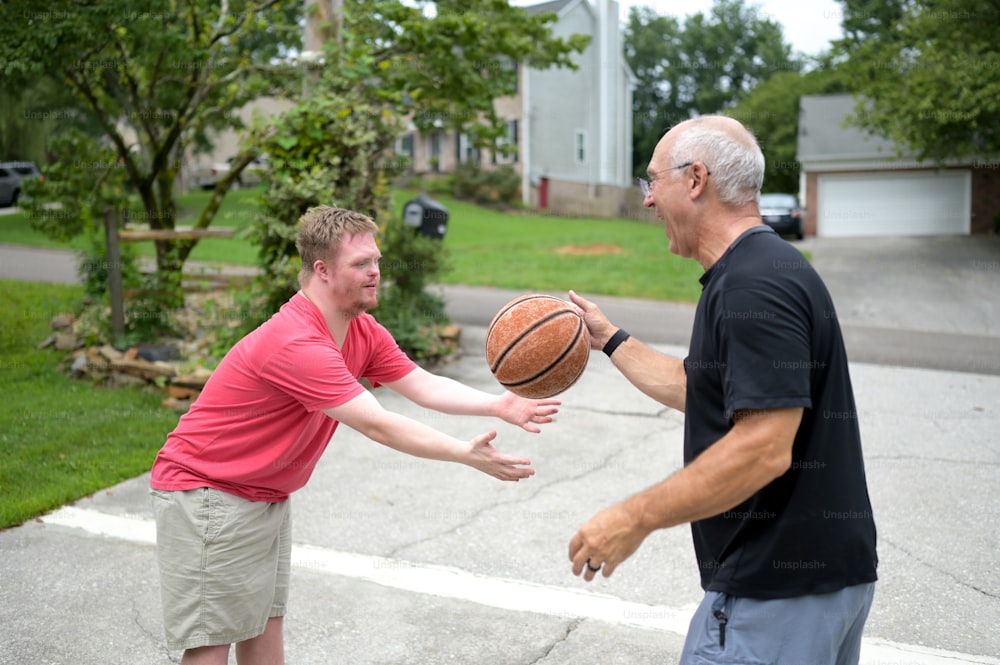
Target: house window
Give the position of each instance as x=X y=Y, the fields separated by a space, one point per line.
x=512 y=127
x=512 y=65
x=508 y=139
x=404 y=145
x=465 y=150
x=580 y=147
x=435 y=150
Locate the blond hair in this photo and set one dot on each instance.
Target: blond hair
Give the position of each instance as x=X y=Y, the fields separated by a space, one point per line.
x=321 y=230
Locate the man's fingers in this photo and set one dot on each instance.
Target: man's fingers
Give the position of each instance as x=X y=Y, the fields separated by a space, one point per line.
x=580 y=301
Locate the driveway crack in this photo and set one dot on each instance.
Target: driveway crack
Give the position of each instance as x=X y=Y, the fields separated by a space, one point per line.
x=520 y=499
x=943 y=571
x=572 y=626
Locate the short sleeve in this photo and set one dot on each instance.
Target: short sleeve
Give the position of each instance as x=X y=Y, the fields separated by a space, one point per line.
x=383 y=361
x=766 y=348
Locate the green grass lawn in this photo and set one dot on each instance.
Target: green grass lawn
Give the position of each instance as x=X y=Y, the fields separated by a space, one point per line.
x=62 y=439
x=554 y=254
x=517 y=250
x=236 y=212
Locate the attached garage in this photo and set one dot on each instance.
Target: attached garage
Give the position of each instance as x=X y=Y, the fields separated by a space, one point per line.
x=901 y=203
x=853 y=183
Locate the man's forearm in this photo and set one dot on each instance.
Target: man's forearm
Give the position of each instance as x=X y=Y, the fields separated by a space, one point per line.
x=725 y=475
x=657 y=375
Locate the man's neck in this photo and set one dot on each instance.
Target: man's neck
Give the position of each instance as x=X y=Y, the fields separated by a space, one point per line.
x=720 y=235
x=337 y=321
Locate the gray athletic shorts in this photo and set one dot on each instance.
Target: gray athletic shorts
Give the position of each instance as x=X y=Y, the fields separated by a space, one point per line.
x=224 y=565
x=821 y=629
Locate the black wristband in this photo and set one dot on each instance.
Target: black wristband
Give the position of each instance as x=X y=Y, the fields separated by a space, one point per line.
x=615 y=341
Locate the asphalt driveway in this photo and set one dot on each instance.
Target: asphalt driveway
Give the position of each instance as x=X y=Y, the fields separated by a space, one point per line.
x=404 y=561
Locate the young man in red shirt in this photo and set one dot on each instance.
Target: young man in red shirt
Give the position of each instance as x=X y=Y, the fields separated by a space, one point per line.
x=221 y=483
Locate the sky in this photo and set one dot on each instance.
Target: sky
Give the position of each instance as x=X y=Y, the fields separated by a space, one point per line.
x=808 y=25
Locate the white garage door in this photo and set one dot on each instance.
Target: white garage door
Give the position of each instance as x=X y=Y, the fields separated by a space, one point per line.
x=894 y=204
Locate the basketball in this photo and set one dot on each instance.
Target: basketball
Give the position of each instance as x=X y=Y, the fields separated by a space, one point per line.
x=537 y=346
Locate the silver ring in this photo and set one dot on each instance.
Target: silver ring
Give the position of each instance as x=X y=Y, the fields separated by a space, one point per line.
x=591 y=568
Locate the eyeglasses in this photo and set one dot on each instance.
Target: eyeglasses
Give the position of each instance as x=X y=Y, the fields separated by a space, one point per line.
x=646 y=185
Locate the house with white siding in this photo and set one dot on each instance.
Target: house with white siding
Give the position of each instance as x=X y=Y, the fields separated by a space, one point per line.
x=573 y=129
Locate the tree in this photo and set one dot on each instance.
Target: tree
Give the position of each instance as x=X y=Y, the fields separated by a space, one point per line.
x=438 y=64
x=33 y=112
x=928 y=82
x=652 y=50
x=445 y=62
x=771 y=112
x=157 y=77
x=706 y=65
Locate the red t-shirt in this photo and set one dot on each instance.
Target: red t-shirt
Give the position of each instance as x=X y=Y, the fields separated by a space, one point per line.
x=258 y=428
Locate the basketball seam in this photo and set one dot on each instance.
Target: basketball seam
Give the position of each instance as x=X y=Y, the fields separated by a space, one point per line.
x=555 y=362
x=511 y=305
x=513 y=343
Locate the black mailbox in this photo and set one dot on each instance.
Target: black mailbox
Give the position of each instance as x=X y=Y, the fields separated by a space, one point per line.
x=427 y=216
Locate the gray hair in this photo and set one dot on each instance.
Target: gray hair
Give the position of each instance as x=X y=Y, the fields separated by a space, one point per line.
x=736 y=165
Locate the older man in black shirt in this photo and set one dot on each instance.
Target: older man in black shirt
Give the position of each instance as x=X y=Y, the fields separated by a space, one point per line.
x=774 y=483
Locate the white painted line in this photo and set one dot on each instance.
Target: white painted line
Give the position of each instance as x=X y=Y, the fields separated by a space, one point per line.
x=514 y=595
x=506 y=594
x=883 y=652
x=133 y=529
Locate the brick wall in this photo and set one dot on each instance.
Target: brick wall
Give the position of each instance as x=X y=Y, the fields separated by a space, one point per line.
x=986 y=199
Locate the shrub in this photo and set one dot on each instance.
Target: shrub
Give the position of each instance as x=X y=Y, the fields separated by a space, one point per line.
x=414 y=316
x=499 y=186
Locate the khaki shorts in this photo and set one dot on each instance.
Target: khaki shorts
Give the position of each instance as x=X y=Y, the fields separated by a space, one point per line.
x=224 y=565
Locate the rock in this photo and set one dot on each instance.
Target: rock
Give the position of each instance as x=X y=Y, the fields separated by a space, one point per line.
x=156 y=352
x=181 y=392
x=110 y=353
x=120 y=379
x=181 y=405
x=97 y=364
x=62 y=321
x=196 y=378
x=65 y=341
x=80 y=365
x=146 y=370
x=450 y=332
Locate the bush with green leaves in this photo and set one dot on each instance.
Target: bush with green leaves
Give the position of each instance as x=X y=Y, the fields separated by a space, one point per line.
x=332 y=149
x=414 y=315
x=499 y=186
x=56 y=207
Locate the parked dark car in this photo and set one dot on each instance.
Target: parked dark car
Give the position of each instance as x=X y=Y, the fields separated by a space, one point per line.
x=782 y=213
x=11 y=175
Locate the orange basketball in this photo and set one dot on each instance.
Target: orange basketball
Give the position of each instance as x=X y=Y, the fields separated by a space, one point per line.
x=537 y=346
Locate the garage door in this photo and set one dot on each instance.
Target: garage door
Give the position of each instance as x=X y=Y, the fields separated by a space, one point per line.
x=894 y=204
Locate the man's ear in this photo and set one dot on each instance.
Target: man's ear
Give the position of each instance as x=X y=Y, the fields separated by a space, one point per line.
x=699 y=179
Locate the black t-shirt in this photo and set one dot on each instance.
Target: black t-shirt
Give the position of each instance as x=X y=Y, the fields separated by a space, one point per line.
x=766 y=336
